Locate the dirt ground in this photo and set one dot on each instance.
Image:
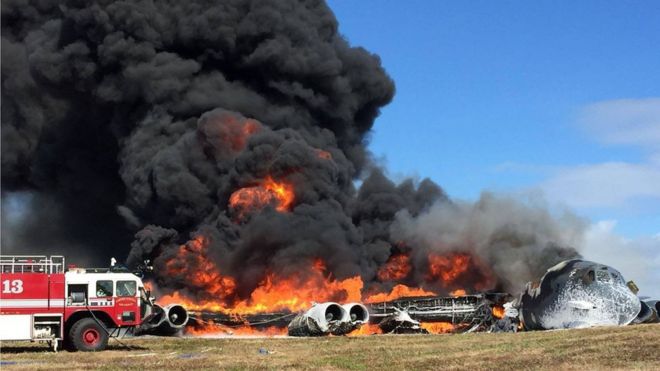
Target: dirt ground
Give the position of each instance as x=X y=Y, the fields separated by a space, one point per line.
x=629 y=347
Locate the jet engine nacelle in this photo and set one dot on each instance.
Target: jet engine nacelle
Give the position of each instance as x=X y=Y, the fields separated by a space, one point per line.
x=320 y=319
x=329 y=318
x=167 y=321
x=357 y=313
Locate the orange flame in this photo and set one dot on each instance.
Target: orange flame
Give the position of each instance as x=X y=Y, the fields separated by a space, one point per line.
x=438 y=327
x=206 y=329
x=273 y=293
x=283 y=192
x=205 y=275
x=446 y=268
x=366 y=329
x=278 y=194
x=498 y=312
x=398 y=291
x=296 y=292
x=396 y=268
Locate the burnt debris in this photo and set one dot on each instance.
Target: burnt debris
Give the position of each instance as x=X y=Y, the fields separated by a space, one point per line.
x=464 y=312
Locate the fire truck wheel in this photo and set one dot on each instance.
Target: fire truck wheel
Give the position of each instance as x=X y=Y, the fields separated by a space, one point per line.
x=88 y=336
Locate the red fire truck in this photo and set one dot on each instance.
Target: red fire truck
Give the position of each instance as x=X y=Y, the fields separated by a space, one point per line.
x=80 y=308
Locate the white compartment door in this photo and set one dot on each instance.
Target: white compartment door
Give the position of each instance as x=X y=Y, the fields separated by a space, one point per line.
x=15 y=327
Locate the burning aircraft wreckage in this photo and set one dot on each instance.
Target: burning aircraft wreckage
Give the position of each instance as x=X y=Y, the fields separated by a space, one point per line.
x=573 y=294
x=226 y=142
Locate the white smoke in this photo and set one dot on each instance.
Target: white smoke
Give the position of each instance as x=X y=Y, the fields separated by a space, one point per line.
x=518 y=239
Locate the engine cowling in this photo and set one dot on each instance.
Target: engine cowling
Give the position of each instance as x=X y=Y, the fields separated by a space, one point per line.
x=165 y=321
x=357 y=313
x=176 y=316
x=320 y=319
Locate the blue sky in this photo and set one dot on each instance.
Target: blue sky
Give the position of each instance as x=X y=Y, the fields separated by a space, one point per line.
x=555 y=98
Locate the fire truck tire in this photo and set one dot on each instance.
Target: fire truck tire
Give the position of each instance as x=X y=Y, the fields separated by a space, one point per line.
x=88 y=336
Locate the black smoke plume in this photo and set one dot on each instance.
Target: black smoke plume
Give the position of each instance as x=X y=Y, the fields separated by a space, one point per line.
x=138 y=120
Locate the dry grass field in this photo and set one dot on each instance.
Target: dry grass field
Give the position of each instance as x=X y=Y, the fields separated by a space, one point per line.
x=630 y=347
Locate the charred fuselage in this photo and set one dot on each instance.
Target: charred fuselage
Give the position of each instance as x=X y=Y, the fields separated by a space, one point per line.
x=578 y=293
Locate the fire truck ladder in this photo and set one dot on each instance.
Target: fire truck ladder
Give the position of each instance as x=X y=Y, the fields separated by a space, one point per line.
x=32 y=264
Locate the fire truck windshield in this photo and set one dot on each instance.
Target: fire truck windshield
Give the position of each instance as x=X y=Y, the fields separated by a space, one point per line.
x=126 y=288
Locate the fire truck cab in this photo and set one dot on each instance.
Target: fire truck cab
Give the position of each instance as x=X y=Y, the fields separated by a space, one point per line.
x=81 y=308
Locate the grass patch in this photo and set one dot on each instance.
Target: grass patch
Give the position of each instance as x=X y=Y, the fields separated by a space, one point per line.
x=629 y=347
